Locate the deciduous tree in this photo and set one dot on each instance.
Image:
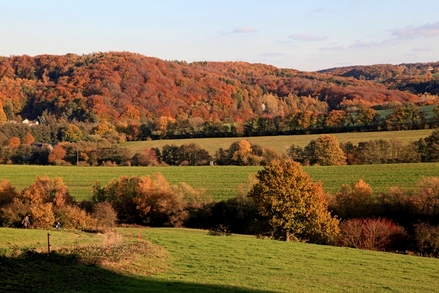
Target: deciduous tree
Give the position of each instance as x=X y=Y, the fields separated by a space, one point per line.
x=72 y=133
x=294 y=205
x=29 y=138
x=14 y=142
x=57 y=154
x=327 y=151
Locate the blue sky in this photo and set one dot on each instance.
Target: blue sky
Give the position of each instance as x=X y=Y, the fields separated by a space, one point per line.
x=305 y=35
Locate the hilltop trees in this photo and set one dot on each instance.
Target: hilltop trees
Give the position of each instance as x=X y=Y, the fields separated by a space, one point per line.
x=294 y=206
x=122 y=88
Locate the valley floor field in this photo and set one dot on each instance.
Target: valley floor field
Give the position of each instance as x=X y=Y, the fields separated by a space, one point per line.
x=221 y=182
x=280 y=143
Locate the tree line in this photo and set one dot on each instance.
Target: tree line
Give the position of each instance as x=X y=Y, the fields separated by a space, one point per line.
x=324 y=151
x=47 y=129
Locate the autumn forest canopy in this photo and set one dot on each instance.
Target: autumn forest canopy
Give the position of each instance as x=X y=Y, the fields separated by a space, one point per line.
x=126 y=87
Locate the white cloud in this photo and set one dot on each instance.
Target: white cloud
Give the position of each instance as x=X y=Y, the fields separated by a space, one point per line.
x=272 y=54
x=363 y=45
x=307 y=38
x=243 y=30
x=239 y=30
x=422 y=49
x=427 y=30
x=332 y=48
x=319 y=10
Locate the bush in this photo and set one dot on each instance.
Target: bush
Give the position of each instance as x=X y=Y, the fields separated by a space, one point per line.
x=427 y=240
x=397 y=205
x=148 y=200
x=7 y=193
x=353 y=201
x=238 y=214
x=13 y=213
x=72 y=217
x=372 y=234
x=42 y=215
x=427 y=199
x=104 y=214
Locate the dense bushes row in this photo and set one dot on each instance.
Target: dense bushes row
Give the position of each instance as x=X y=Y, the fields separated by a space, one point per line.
x=395 y=221
x=47 y=202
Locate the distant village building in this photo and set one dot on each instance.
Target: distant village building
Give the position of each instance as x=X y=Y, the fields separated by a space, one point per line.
x=30 y=122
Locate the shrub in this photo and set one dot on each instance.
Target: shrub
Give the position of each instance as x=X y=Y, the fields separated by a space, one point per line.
x=149 y=200
x=7 y=193
x=72 y=217
x=220 y=230
x=57 y=155
x=13 y=213
x=408 y=208
x=104 y=214
x=427 y=199
x=427 y=239
x=42 y=215
x=397 y=205
x=238 y=214
x=353 y=201
x=372 y=234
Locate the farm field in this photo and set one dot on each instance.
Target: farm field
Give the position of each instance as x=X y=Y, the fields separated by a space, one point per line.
x=221 y=182
x=193 y=261
x=280 y=143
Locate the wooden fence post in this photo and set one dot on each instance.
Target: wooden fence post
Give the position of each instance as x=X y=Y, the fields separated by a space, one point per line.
x=48 y=243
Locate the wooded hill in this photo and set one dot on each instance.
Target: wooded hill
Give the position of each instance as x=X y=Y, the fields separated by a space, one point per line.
x=417 y=78
x=122 y=87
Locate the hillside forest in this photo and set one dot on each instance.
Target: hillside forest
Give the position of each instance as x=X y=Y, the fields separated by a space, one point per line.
x=122 y=96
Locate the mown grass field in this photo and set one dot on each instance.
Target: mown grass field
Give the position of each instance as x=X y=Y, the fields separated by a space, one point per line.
x=193 y=261
x=280 y=143
x=221 y=182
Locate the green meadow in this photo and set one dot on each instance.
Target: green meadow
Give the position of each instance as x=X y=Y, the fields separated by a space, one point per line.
x=185 y=260
x=221 y=182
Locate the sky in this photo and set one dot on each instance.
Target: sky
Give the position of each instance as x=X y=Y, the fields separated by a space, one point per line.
x=307 y=35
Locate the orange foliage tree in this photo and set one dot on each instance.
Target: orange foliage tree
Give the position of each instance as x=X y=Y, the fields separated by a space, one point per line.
x=294 y=206
x=29 y=138
x=148 y=200
x=57 y=154
x=14 y=142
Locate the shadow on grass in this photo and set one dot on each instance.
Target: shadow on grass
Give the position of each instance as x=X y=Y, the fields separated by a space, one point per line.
x=60 y=273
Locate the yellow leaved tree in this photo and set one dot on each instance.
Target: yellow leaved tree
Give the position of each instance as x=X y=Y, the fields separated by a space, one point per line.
x=294 y=206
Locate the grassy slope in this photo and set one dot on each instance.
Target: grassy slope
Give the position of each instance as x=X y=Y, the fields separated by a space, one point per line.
x=35 y=238
x=280 y=143
x=290 y=267
x=196 y=262
x=221 y=182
